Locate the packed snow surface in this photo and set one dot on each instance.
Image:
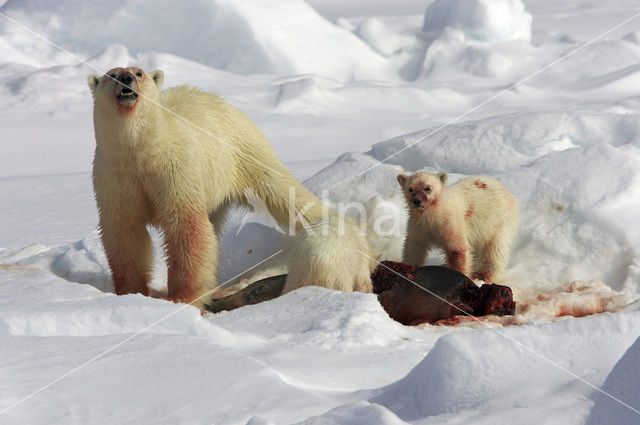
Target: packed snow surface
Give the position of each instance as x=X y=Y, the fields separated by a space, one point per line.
x=543 y=95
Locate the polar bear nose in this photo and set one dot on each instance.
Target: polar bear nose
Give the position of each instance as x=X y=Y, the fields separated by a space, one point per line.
x=416 y=202
x=125 y=78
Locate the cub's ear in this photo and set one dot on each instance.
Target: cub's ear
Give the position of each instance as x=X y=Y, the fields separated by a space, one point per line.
x=158 y=77
x=93 y=81
x=443 y=177
x=402 y=179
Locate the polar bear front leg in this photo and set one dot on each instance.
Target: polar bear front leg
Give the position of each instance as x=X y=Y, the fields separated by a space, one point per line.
x=192 y=256
x=458 y=254
x=415 y=250
x=130 y=254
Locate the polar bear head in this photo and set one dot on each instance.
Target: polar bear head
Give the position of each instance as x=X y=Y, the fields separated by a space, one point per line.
x=123 y=89
x=422 y=189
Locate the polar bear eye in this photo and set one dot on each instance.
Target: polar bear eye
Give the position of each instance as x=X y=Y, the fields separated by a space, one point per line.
x=139 y=74
x=427 y=189
x=410 y=189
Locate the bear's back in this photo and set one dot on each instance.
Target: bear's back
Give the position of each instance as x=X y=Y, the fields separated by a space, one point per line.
x=190 y=103
x=487 y=204
x=215 y=125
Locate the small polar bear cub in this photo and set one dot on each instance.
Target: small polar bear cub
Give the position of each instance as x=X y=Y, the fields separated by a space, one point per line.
x=474 y=221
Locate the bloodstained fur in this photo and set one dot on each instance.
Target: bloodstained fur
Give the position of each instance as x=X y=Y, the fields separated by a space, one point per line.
x=187 y=250
x=480 y=184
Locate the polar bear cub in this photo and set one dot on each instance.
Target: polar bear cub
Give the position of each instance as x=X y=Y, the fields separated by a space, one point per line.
x=474 y=221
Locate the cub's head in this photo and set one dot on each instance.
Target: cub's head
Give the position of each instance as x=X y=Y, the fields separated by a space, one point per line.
x=122 y=89
x=422 y=189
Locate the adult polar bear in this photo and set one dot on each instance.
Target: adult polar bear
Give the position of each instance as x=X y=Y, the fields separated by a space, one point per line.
x=177 y=159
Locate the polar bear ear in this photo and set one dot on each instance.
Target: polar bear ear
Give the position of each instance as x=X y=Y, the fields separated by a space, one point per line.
x=402 y=179
x=443 y=177
x=93 y=81
x=158 y=77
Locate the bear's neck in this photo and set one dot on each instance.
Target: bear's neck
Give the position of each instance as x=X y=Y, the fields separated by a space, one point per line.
x=120 y=136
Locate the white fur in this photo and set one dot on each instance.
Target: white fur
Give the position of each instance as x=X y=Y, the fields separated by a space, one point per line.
x=474 y=221
x=176 y=160
x=329 y=250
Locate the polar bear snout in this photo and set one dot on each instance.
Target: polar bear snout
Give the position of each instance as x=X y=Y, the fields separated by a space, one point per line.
x=125 y=84
x=420 y=195
x=125 y=78
x=420 y=200
x=126 y=89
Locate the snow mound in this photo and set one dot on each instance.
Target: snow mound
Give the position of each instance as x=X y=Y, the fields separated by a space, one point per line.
x=451 y=56
x=82 y=262
x=384 y=40
x=357 y=413
x=323 y=318
x=205 y=381
x=482 y=20
x=506 y=143
x=484 y=370
x=252 y=36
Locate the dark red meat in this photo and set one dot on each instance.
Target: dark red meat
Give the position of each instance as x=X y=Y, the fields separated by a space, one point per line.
x=428 y=294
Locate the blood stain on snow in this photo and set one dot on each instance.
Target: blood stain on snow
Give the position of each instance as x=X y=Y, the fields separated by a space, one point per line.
x=575 y=299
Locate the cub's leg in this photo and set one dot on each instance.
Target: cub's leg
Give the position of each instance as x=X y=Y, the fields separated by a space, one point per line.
x=485 y=267
x=494 y=258
x=415 y=250
x=458 y=254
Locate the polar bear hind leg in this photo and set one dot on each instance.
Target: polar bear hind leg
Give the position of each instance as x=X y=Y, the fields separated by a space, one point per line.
x=494 y=255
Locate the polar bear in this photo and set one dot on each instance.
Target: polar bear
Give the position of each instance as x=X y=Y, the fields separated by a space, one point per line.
x=331 y=247
x=474 y=221
x=177 y=159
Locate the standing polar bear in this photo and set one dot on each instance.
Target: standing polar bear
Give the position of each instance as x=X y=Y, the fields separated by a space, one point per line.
x=474 y=221
x=177 y=159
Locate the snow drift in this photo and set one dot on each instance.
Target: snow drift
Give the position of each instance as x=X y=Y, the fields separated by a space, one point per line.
x=482 y=20
x=251 y=36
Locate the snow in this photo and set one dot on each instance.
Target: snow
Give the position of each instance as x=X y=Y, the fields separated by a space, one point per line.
x=269 y=36
x=483 y=20
x=350 y=93
x=621 y=385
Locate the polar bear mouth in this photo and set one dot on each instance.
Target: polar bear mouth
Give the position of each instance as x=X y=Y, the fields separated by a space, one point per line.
x=127 y=96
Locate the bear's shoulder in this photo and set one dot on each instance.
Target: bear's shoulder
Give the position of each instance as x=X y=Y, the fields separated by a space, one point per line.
x=192 y=103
